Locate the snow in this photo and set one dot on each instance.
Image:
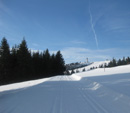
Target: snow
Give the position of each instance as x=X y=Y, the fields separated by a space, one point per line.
x=105 y=71
x=94 y=64
x=22 y=85
x=95 y=91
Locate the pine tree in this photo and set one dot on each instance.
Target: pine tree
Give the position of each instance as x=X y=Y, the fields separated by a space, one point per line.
x=36 y=62
x=114 y=62
x=24 y=60
x=77 y=71
x=110 y=64
x=60 y=64
x=46 y=63
x=72 y=72
x=119 y=62
x=100 y=66
x=4 y=60
x=67 y=72
x=53 y=62
x=128 y=60
x=83 y=70
x=124 y=61
x=14 y=62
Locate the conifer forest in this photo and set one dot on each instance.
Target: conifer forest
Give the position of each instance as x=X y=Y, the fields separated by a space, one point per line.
x=20 y=64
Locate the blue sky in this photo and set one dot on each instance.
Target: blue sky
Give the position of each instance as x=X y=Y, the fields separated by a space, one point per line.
x=97 y=29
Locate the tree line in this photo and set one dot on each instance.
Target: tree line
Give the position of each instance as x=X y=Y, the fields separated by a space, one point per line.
x=114 y=62
x=123 y=61
x=20 y=64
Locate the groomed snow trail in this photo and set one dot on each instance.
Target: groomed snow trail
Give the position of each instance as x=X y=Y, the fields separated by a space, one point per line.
x=62 y=94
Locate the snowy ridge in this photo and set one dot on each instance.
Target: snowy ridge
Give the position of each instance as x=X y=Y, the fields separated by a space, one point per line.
x=94 y=64
x=105 y=71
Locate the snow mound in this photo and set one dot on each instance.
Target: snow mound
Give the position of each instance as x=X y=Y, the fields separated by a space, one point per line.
x=22 y=84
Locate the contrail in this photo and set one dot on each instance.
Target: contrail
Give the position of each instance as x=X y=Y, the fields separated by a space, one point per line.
x=92 y=26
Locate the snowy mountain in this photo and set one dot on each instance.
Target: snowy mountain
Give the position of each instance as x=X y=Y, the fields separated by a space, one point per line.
x=97 y=91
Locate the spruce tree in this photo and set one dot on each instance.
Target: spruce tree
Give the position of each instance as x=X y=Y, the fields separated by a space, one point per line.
x=53 y=62
x=46 y=63
x=128 y=60
x=83 y=70
x=14 y=62
x=72 y=72
x=4 y=60
x=124 y=61
x=114 y=62
x=24 y=60
x=119 y=62
x=60 y=64
x=77 y=71
x=36 y=63
x=110 y=64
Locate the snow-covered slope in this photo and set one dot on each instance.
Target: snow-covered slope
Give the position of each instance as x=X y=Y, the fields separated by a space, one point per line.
x=94 y=64
x=96 y=91
x=103 y=71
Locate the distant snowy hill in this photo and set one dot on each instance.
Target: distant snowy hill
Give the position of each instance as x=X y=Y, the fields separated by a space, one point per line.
x=88 y=66
x=77 y=65
x=97 y=91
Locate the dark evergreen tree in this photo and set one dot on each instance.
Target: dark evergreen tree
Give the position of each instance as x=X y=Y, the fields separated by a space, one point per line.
x=91 y=68
x=24 y=60
x=36 y=64
x=14 y=62
x=83 y=70
x=67 y=72
x=4 y=60
x=53 y=62
x=128 y=60
x=72 y=72
x=101 y=66
x=114 y=62
x=46 y=63
x=60 y=64
x=110 y=64
x=77 y=71
x=124 y=61
x=119 y=62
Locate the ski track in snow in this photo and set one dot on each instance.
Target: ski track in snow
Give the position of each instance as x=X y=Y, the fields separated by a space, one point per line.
x=63 y=94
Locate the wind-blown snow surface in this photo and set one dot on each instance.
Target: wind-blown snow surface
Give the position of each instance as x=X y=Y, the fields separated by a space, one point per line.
x=96 y=91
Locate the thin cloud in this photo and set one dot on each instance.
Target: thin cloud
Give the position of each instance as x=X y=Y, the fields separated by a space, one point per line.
x=34 y=44
x=75 y=54
x=77 y=42
x=5 y=9
x=115 y=21
x=92 y=26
